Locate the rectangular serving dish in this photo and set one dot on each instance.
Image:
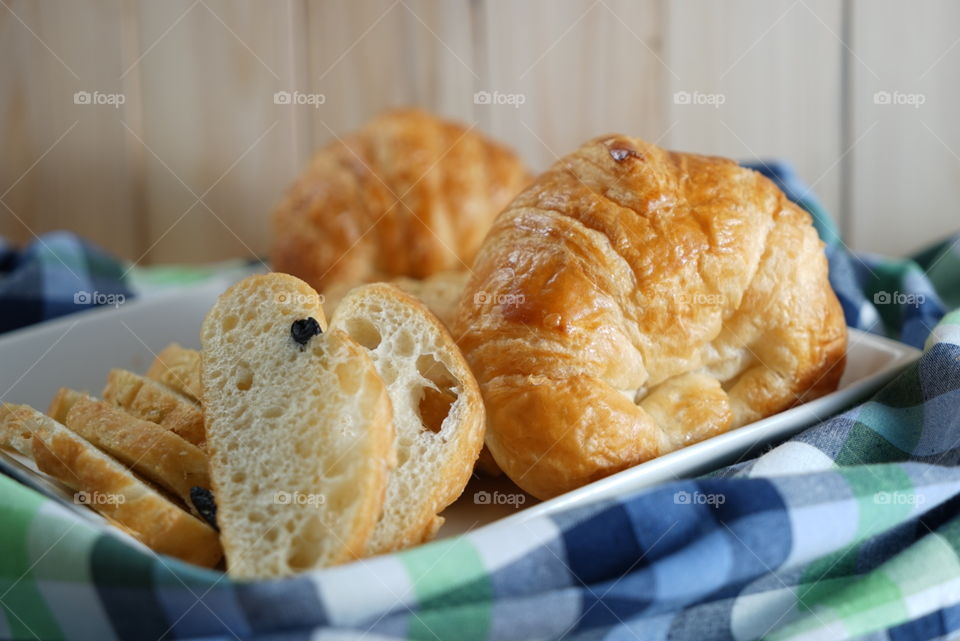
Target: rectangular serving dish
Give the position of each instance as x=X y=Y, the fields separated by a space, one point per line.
x=78 y=351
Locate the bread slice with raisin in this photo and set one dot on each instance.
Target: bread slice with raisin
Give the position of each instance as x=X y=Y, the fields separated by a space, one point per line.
x=153 y=452
x=156 y=402
x=299 y=430
x=111 y=489
x=437 y=407
x=179 y=368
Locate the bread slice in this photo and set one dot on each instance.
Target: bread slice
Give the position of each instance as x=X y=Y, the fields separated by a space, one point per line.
x=437 y=407
x=14 y=434
x=299 y=430
x=155 y=453
x=179 y=368
x=440 y=293
x=115 y=492
x=153 y=401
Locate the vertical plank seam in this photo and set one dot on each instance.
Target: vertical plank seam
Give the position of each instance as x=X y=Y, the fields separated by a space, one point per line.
x=132 y=88
x=478 y=36
x=845 y=214
x=298 y=52
x=662 y=8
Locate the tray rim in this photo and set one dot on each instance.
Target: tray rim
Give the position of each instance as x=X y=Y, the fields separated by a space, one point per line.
x=778 y=426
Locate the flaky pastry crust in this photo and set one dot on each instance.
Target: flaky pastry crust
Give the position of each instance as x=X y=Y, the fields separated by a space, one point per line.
x=633 y=301
x=406 y=195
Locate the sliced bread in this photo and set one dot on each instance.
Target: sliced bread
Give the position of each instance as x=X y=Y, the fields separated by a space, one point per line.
x=115 y=492
x=156 y=402
x=440 y=293
x=155 y=453
x=15 y=431
x=299 y=430
x=438 y=411
x=178 y=367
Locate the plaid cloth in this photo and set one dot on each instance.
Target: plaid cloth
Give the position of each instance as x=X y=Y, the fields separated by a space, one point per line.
x=851 y=529
x=57 y=274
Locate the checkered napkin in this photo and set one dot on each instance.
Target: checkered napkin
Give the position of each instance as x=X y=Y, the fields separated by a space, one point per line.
x=851 y=529
x=55 y=275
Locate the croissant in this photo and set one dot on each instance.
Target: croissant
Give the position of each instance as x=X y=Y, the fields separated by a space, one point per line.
x=406 y=195
x=633 y=301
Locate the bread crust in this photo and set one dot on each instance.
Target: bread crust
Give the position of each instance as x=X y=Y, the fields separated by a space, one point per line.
x=440 y=293
x=179 y=368
x=154 y=452
x=406 y=195
x=633 y=301
x=15 y=433
x=143 y=512
x=150 y=400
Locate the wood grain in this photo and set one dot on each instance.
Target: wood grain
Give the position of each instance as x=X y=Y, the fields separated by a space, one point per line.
x=777 y=66
x=198 y=80
x=218 y=150
x=65 y=165
x=583 y=69
x=905 y=181
x=369 y=56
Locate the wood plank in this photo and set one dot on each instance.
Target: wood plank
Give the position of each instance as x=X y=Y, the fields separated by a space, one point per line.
x=369 y=56
x=777 y=66
x=906 y=170
x=210 y=125
x=584 y=69
x=65 y=165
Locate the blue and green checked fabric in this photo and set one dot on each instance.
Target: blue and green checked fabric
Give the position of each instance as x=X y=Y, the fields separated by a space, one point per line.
x=849 y=530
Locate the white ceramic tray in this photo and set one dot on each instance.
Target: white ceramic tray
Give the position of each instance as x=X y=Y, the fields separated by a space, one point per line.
x=79 y=350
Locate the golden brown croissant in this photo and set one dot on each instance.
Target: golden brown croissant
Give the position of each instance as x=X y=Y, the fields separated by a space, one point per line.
x=633 y=301
x=406 y=195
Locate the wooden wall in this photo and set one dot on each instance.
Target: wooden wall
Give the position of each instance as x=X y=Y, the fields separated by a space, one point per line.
x=188 y=167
